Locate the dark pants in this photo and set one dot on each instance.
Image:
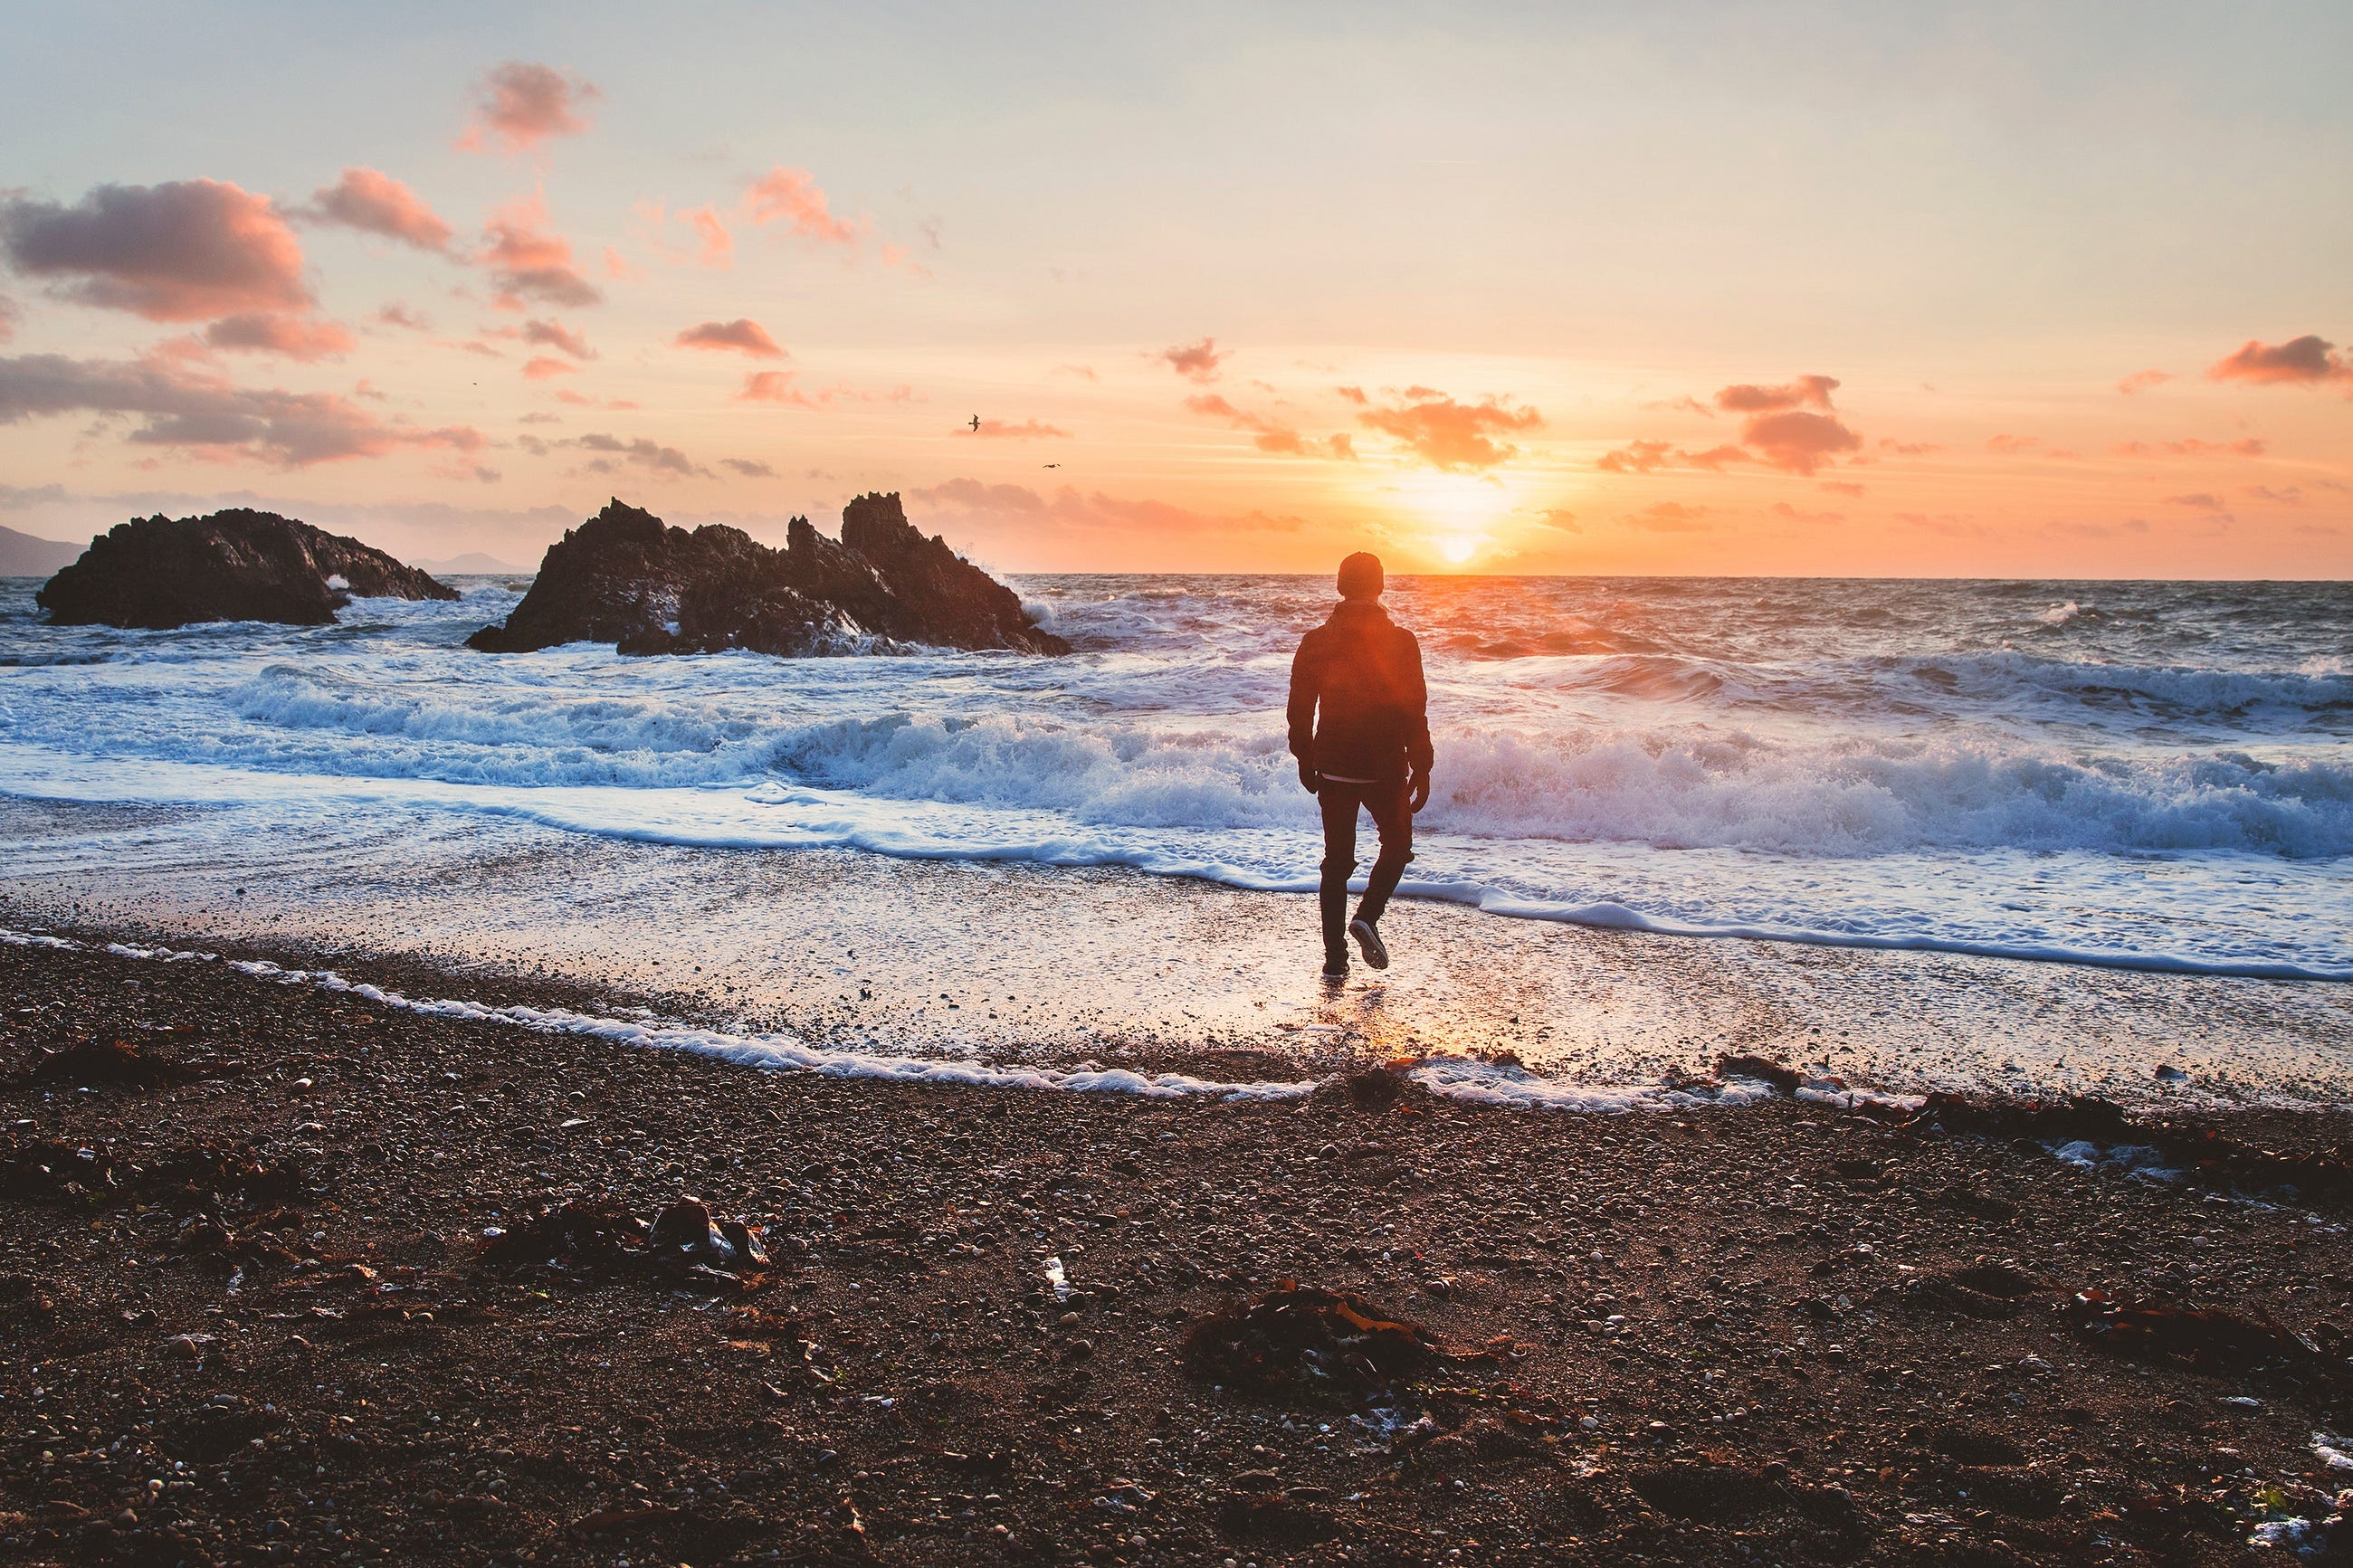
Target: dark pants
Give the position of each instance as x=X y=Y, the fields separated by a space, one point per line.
x=1387 y=801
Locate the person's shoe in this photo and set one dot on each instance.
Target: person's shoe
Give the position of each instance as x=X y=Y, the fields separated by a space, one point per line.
x=1336 y=966
x=1368 y=943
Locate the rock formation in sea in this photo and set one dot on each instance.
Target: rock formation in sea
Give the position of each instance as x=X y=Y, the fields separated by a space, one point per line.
x=627 y=578
x=158 y=573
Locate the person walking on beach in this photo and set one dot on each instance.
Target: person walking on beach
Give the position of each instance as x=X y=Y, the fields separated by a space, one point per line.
x=1360 y=728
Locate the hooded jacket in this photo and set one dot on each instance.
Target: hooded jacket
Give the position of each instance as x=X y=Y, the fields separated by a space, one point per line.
x=1359 y=708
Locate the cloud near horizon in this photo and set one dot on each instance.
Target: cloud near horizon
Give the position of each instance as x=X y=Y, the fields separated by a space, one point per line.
x=186 y=250
x=520 y=105
x=1452 y=436
x=1028 y=431
x=741 y=335
x=375 y=203
x=975 y=503
x=638 y=452
x=2306 y=360
x=207 y=415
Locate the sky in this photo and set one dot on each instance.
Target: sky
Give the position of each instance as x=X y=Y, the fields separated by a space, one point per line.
x=1819 y=289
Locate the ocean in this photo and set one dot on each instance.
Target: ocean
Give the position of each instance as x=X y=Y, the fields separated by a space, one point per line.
x=2137 y=776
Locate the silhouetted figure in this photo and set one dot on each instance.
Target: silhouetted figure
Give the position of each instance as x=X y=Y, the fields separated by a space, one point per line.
x=976 y=423
x=1360 y=729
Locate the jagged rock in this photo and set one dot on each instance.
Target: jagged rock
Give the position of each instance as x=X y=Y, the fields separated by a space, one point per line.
x=626 y=578
x=158 y=573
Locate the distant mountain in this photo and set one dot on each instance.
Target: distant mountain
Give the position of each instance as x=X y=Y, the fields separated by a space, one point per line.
x=23 y=555
x=473 y=565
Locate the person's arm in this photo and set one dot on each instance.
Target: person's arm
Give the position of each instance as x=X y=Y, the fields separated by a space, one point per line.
x=1306 y=687
x=1418 y=752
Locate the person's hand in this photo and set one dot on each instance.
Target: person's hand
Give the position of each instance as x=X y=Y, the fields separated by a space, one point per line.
x=1420 y=795
x=1309 y=779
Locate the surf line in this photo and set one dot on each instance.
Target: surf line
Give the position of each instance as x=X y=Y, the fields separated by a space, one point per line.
x=1455 y=1078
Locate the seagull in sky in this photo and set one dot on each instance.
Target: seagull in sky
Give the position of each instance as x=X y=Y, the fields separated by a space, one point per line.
x=976 y=423
x=1051 y=465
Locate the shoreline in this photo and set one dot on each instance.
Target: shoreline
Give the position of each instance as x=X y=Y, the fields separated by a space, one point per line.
x=1050 y=967
x=1756 y=1331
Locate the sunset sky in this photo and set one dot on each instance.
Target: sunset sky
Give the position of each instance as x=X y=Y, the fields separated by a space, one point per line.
x=2050 y=290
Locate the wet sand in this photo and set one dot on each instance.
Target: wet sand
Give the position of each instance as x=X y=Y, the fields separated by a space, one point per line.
x=1016 y=962
x=257 y=1320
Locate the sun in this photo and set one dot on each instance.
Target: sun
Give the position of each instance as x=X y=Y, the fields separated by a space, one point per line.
x=1457 y=547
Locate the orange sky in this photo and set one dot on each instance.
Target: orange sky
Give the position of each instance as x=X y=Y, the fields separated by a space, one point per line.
x=1849 y=293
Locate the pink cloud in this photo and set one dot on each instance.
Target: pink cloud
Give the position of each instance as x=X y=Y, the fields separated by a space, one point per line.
x=738 y=336
x=1076 y=371
x=749 y=467
x=2191 y=447
x=2201 y=501
x=189 y=250
x=1805 y=392
x=775 y=386
x=1669 y=517
x=291 y=336
x=2303 y=361
x=1353 y=393
x=205 y=415
x=518 y=106
x=793 y=197
x=375 y=202
x=529 y=261
x=543 y=367
x=1798 y=443
x=1782 y=509
x=557 y=336
x=396 y=313
x=2010 y=446
x=718 y=245
x=1449 y=434
x=1272 y=434
x=2142 y=380
x=1197 y=361
x=617 y=266
x=1028 y=431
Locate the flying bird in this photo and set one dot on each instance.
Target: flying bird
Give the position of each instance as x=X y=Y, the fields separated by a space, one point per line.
x=976 y=423
x=1050 y=465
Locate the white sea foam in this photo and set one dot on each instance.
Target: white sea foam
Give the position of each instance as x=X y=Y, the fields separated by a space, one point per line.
x=1858 y=764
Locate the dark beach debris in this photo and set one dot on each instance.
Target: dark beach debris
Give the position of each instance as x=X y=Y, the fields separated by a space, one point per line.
x=202 y=1178
x=2198 y=1151
x=685 y=1245
x=2202 y=1152
x=2211 y=1339
x=1982 y=1289
x=1713 y=1489
x=1304 y=1342
x=114 y=1064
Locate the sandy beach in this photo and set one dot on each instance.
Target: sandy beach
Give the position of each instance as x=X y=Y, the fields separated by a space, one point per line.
x=298 y=1275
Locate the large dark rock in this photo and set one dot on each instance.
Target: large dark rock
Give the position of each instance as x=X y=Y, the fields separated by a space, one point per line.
x=161 y=572
x=626 y=578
